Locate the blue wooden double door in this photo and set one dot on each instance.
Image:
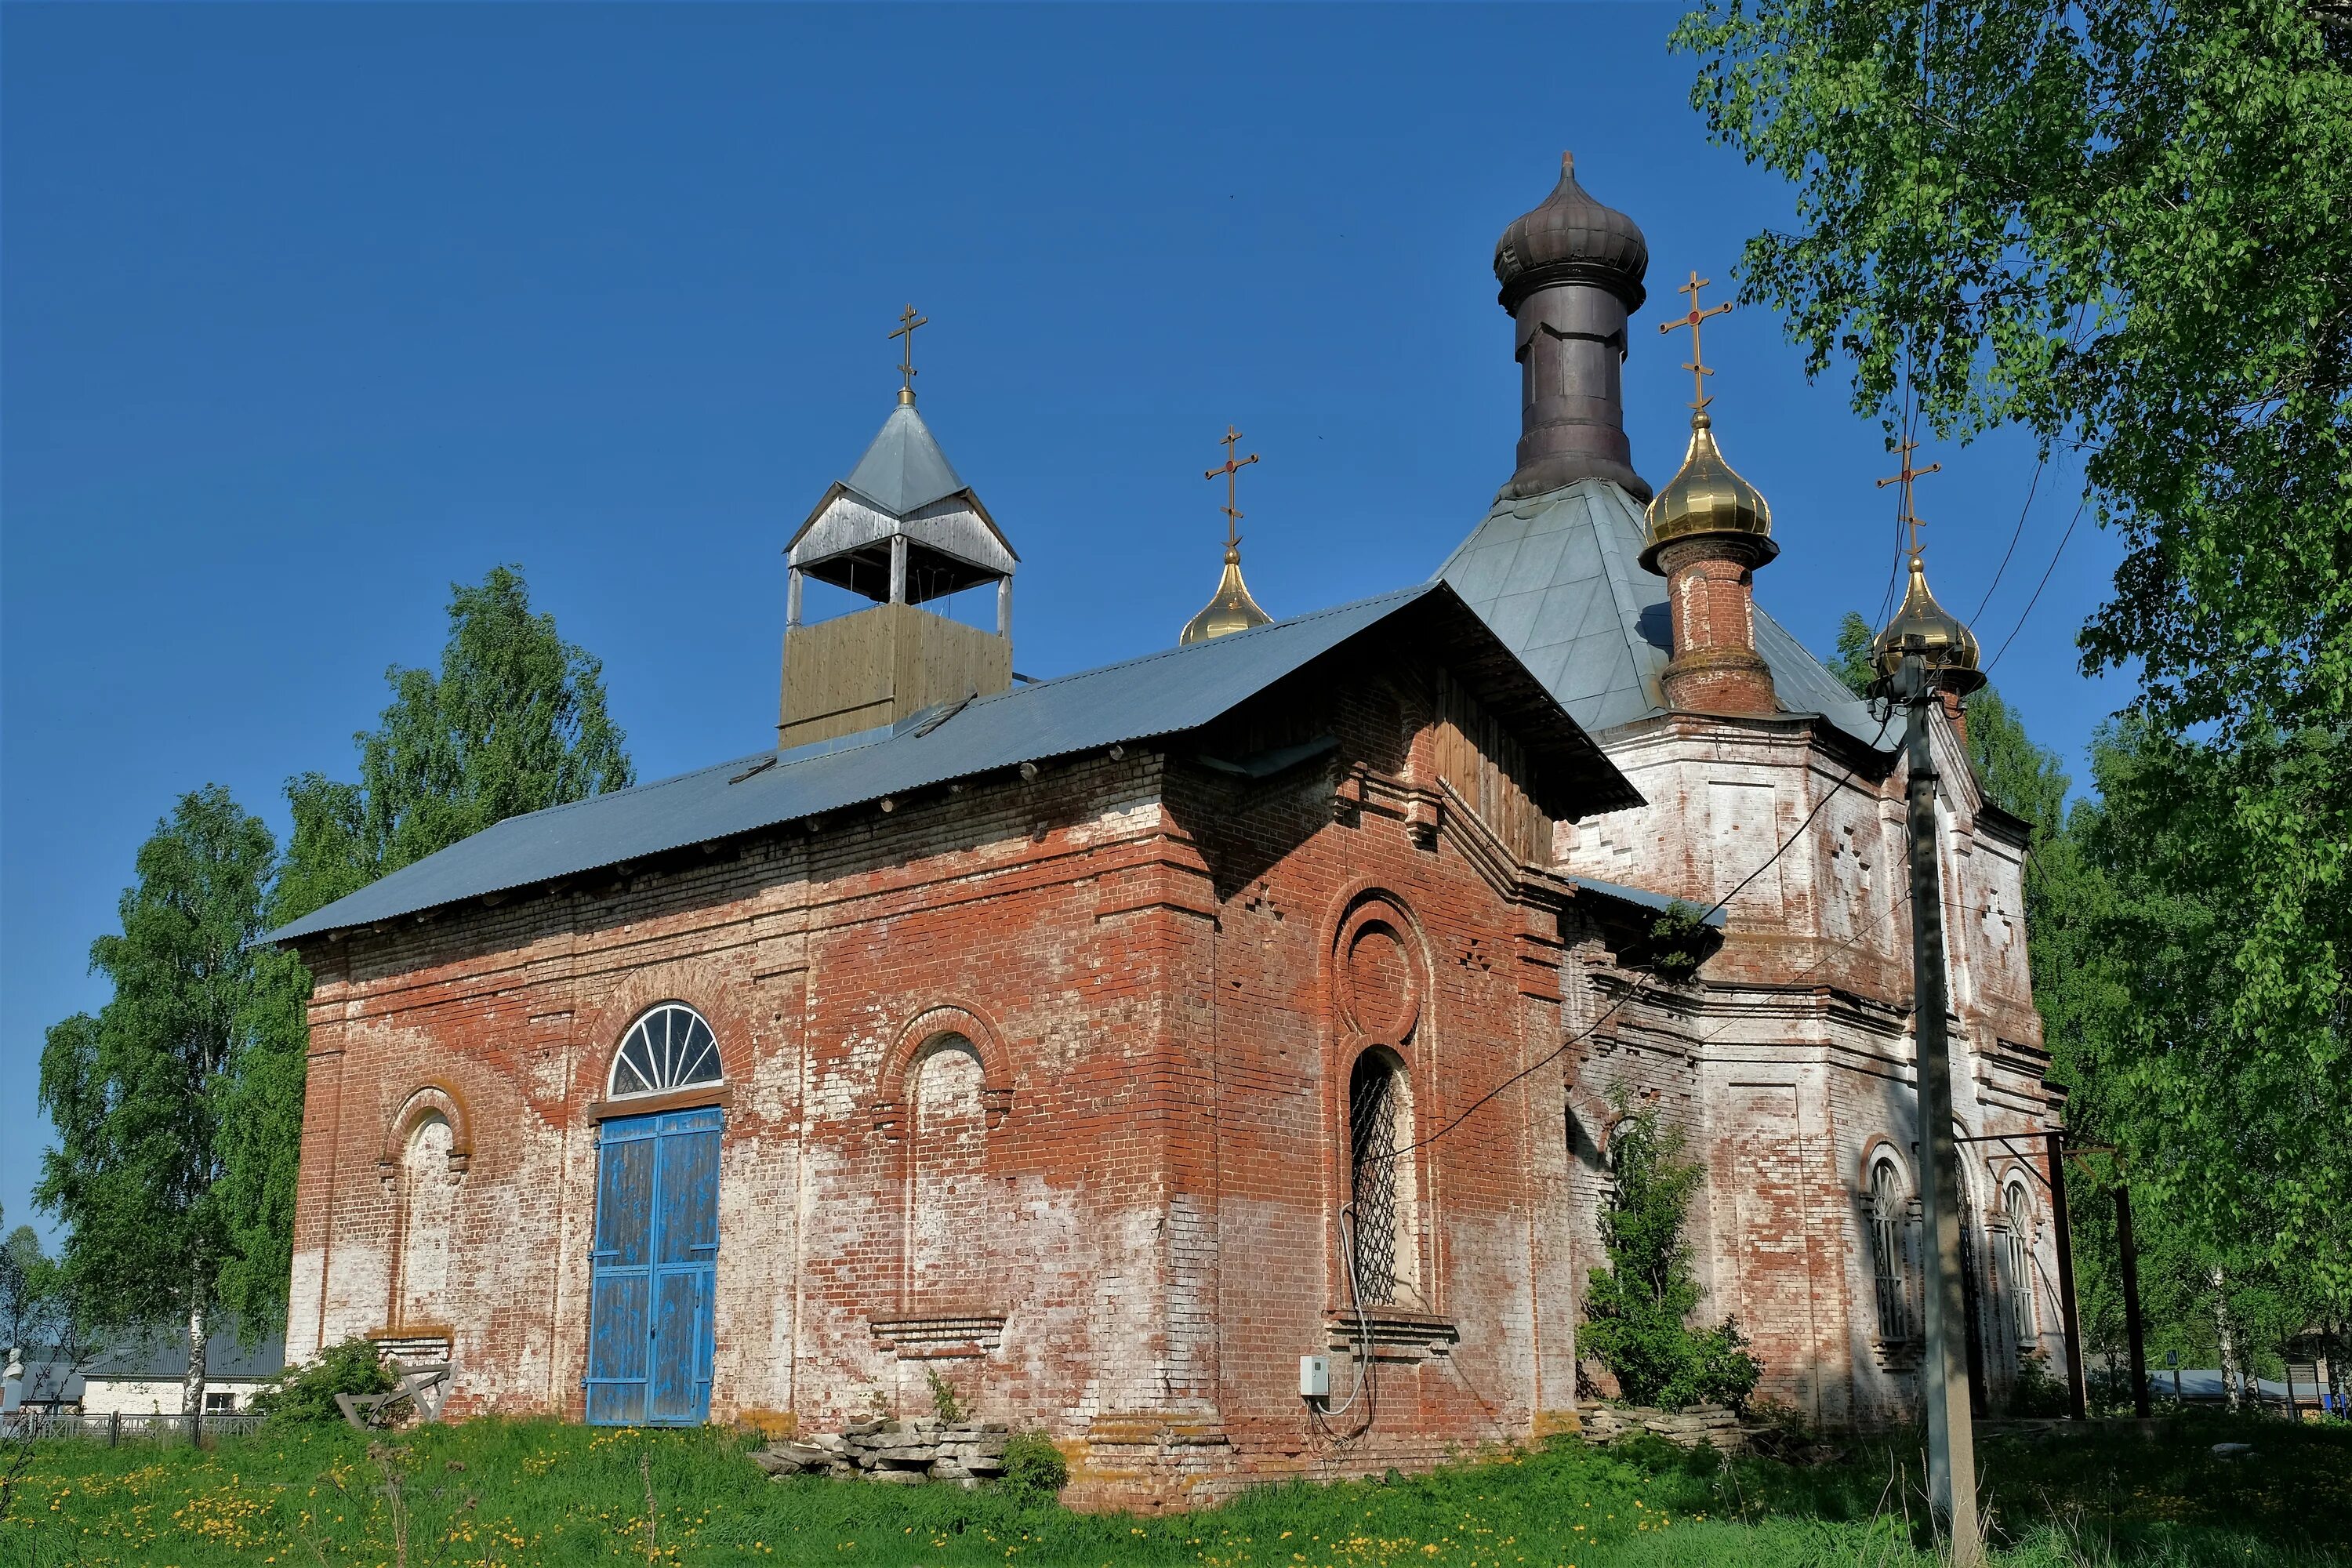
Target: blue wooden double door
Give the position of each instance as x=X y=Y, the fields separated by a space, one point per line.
x=653 y=1270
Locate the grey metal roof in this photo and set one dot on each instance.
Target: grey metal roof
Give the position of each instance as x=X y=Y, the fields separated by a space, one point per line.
x=904 y=469
x=165 y=1354
x=1558 y=577
x=1164 y=693
x=46 y=1379
x=1644 y=898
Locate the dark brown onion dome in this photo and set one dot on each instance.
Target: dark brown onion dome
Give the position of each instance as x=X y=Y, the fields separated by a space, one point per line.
x=1571 y=238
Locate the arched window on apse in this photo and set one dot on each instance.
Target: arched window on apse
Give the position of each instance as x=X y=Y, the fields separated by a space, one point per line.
x=1378 y=995
x=952 y=1210
x=2019 y=1244
x=1890 y=1253
x=428 y=1211
x=1385 y=1233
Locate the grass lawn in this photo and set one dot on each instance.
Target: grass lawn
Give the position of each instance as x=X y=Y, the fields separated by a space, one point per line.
x=499 y=1493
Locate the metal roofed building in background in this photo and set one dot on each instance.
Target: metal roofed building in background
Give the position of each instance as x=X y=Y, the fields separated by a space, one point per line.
x=1558 y=577
x=1164 y=693
x=163 y=1357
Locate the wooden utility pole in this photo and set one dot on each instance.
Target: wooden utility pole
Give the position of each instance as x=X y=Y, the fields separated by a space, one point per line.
x=1951 y=1440
x=2132 y=1334
x=2077 y=1405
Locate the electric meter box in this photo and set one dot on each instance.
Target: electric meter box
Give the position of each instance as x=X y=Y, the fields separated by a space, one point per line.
x=1315 y=1377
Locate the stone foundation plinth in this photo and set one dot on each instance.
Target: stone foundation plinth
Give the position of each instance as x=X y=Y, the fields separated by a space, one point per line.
x=1709 y=1423
x=893 y=1453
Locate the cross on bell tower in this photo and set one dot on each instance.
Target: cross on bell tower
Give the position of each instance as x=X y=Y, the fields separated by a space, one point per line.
x=908 y=322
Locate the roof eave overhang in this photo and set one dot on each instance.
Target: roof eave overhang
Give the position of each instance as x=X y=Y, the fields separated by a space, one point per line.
x=1574 y=777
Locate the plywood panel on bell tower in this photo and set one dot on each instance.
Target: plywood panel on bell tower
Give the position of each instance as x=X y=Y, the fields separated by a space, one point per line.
x=872 y=668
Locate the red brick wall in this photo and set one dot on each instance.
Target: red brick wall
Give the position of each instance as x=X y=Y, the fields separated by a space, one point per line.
x=1138 y=1169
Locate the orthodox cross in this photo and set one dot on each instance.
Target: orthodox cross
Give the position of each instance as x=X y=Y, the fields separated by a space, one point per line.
x=1231 y=468
x=908 y=322
x=1697 y=367
x=1904 y=479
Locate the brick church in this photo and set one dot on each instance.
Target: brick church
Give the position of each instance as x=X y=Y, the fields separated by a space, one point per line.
x=1105 y=1045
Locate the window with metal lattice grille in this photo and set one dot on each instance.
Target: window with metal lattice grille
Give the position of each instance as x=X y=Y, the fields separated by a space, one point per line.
x=1379 y=1185
x=1890 y=1249
x=2019 y=1283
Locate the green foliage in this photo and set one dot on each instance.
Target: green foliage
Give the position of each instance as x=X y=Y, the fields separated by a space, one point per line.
x=1852 y=663
x=1678 y=944
x=305 y=1395
x=2122 y=229
x=260 y=1137
x=31 y=1293
x=138 y=1093
x=947 y=1400
x=2122 y=226
x=534 y=1494
x=1034 y=1466
x=1637 y=1310
x=2235 y=1150
x=514 y=721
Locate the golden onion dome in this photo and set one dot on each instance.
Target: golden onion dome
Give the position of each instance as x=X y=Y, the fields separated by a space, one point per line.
x=1707 y=498
x=1924 y=627
x=1230 y=610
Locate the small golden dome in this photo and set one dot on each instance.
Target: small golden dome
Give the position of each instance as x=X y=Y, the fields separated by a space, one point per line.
x=1231 y=610
x=1707 y=498
x=1924 y=627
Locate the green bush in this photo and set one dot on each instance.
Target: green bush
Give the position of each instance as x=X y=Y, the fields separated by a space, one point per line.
x=2037 y=1392
x=947 y=1400
x=305 y=1395
x=1034 y=1466
x=1636 y=1310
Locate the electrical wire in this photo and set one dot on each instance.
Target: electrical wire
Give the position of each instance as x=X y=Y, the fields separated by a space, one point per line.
x=1579 y=1038
x=1894 y=568
x=2043 y=584
x=2014 y=535
x=1367 y=1364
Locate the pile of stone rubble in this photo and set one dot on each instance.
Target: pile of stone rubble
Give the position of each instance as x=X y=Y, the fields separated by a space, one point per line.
x=893 y=1453
x=1709 y=1423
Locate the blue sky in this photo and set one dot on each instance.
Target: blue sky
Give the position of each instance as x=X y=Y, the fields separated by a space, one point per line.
x=309 y=312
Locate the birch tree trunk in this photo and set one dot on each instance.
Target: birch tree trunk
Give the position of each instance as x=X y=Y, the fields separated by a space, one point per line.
x=2229 y=1342
x=192 y=1392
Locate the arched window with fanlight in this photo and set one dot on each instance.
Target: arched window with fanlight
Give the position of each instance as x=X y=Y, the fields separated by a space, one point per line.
x=1890 y=1253
x=1384 y=1237
x=2019 y=1256
x=669 y=1048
